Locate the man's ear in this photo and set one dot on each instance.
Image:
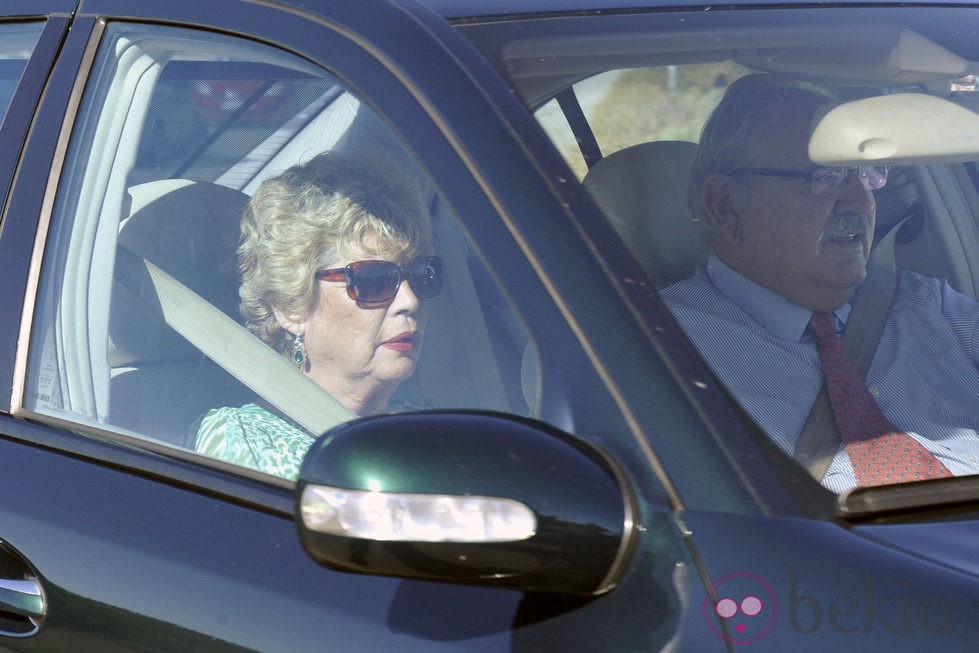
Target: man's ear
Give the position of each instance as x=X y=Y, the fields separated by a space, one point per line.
x=294 y=324
x=721 y=213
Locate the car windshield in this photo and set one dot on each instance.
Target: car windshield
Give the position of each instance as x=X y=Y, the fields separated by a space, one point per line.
x=843 y=131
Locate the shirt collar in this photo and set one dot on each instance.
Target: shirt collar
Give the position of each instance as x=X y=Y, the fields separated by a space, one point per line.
x=785 y=319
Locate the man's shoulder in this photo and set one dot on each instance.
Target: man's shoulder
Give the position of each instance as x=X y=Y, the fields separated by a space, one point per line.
x=936 y=299
x=695 y=289
x=916 y=288
x=699 y=306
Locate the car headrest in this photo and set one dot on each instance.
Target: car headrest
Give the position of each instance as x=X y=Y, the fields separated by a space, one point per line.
x=191 y=231
x=643 y=191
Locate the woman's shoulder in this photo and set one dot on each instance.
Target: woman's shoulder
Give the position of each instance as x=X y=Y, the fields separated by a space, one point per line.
x=229 y=420
x=249 y=412
x=219 y=424
x=253 y=436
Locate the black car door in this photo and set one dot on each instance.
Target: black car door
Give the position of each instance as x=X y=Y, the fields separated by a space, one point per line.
x=115 y=532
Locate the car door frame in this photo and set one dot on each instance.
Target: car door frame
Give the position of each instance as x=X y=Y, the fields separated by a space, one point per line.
x=17 y=123
x=88 y=520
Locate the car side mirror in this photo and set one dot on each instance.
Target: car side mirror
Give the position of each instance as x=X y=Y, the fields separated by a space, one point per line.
x=467 y=497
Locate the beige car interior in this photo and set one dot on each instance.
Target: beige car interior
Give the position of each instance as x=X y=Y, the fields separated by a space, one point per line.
x=643 y=192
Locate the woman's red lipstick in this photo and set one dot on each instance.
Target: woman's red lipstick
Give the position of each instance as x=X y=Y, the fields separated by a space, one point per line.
x=402 y=342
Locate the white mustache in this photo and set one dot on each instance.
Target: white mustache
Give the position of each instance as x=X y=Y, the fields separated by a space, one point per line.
x=845 y=225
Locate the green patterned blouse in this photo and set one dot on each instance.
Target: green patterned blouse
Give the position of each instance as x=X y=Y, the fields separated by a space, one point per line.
x=253 y=437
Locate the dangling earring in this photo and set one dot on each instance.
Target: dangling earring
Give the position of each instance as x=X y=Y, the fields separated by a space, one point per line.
x=299 y=351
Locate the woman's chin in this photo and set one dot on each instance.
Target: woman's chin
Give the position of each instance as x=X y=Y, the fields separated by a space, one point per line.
x=396 y=371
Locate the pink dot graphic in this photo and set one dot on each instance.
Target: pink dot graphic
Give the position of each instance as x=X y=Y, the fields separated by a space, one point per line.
x=751 y=606
x=741 y=608
x=727 y=608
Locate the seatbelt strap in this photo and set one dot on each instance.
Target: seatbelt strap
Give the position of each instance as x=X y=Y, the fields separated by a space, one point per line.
x=230 y=345
x=580 y=127
x=820 y=439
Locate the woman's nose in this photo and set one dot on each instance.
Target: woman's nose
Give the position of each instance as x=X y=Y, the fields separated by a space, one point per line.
x=405 y=300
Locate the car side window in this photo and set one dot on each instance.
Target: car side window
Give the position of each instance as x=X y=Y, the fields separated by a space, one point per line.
x=17 y=41
x=624 y=108
x=139 y=331
x=675 y=157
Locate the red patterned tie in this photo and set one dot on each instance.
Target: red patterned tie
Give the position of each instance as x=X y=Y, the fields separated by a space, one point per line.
x=879 y=451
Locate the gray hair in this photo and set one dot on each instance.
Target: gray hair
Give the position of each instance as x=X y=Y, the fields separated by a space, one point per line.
x=314 y=214
x=730 y=138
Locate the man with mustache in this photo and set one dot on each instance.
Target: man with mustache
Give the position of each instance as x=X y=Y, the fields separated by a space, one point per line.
x=790 y=240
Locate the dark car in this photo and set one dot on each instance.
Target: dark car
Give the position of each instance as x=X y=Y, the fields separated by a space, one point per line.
x=580 y=480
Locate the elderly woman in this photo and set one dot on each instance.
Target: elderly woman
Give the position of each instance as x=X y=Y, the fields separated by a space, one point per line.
x=336 y=263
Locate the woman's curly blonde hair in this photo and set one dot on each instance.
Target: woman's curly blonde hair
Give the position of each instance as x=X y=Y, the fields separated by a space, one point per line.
x=313 y=215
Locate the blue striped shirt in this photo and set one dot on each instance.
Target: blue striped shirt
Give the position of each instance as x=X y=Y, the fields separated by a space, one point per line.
x=924 y=375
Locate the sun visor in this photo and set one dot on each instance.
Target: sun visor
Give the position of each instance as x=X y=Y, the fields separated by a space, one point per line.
x=858 y=54
x=899 y=129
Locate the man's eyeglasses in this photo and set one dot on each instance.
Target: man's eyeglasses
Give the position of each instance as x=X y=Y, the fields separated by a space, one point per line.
x=826 y=180
x=377 y=282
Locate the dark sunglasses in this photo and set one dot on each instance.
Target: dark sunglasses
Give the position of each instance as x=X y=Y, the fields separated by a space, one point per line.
x=377 y=282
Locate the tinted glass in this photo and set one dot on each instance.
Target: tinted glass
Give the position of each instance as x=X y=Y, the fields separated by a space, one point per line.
x=139 y=332
x=645 y=91
x=16 y=44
